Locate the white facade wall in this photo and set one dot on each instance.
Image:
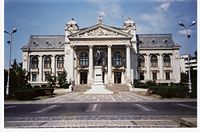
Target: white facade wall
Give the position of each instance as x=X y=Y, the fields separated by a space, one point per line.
x=110 y=40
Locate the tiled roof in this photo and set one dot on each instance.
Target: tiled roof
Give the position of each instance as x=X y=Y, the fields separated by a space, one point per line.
x=45 y=42
x=143 y=40
x=155 y=41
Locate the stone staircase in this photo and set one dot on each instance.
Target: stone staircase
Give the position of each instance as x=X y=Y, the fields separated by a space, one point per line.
x=116 y=88
x=81 y=88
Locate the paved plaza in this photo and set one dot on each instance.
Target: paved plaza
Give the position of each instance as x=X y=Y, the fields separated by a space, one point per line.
x=77 y=97
x=120 y=110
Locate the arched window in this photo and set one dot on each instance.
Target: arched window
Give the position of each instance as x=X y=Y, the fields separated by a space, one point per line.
x=34 y=62
x=117 y=59
x=60 y=62
x=167 y=60
x=83 y=59
x=47 y=62
x=141 y=61
x=154 y=61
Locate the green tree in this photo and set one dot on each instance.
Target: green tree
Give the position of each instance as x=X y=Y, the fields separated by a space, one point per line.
x=18 y=78
x=62 y=79
x=51 y=79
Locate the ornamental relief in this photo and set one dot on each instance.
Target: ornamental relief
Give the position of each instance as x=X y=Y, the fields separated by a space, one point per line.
x=100 y=32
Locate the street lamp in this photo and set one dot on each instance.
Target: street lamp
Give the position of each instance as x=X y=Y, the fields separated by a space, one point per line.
x=10 y=47
x=187 y=37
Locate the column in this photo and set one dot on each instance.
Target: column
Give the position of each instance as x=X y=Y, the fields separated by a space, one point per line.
x=161 y=66
x=40 y=68
x=53 y=64
x=72 y=63
x=109 y=65
x=90 y=64
x=147 y=64
x=128 y=63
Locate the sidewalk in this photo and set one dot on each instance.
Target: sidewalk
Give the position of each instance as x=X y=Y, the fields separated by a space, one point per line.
x=63 y=96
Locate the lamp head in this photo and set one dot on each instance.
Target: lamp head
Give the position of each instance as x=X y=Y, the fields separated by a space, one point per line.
x=14 y=30
x=193 y=22
x=181 y=24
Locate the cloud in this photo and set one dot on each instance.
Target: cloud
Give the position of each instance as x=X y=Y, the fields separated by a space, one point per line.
x=157 y=20
x=164 y=6
x=24 y=21
x=109 y=8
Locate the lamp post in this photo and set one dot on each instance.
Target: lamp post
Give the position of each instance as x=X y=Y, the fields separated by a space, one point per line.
x=187 y=37
x=10 y=48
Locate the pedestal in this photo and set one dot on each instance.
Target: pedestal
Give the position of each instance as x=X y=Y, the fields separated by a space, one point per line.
x=98 y=87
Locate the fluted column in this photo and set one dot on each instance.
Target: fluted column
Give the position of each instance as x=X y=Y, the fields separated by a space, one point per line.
x=40 y=68
x=90 y=64
x=109 y=65
x=128 y=63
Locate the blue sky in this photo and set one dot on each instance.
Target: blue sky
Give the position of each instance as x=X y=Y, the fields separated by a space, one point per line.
x=48 y=17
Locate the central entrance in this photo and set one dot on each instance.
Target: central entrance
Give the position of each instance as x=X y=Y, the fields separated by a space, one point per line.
x=83 y=77
x=117 y=77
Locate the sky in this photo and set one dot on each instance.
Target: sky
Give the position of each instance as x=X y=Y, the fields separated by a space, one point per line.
x=48 y=17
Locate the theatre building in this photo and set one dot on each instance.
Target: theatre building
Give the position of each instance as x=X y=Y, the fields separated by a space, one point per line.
x=125 y=55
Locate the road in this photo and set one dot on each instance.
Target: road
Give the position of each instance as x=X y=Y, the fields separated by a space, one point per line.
x=132 y=114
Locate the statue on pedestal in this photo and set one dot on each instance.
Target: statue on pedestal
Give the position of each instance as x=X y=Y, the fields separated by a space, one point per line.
x=99 y=57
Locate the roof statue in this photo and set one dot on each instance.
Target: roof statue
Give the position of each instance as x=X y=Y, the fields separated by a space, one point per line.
x=100 y=19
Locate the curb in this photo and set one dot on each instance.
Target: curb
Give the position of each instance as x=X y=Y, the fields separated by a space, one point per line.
x=189 y=122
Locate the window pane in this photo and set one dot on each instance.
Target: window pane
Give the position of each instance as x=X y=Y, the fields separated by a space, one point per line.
x=141 y=61
x=47 y=62
x=117 y=59
x=34 y=62
x=34 y=76
x=60 y=62
x=154 y=61
x=167 y=61
x=84 y=61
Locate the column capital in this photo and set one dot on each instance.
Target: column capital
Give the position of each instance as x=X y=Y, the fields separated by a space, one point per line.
x=109 y=45
x=128 y=45
x=90 y=46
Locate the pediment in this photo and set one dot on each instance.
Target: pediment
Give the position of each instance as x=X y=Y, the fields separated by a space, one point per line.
x=100 y=31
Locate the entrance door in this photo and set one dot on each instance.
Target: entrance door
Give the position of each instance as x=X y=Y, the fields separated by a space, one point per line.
x=117 y=77
x=83 y=77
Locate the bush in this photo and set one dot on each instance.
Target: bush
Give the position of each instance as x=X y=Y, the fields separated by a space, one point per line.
x=43 y=86
x=178 y=91
x=25 y=94
x=31 y=93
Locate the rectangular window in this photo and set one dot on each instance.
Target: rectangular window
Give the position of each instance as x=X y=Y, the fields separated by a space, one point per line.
x=167 y=75
x=34 y=76
x=46 y=74
x=141 y=76
x=154 y=75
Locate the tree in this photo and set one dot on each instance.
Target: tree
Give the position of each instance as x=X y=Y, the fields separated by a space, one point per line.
x=62 y=79
x=51 y=79
x=18 y=78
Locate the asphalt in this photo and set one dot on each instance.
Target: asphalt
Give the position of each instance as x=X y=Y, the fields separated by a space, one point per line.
x=114 y=103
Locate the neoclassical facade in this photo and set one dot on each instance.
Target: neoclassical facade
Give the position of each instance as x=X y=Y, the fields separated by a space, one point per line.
x=125 y=55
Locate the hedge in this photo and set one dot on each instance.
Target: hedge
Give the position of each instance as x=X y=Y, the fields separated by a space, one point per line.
x=31 y=93
x=178 y=91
